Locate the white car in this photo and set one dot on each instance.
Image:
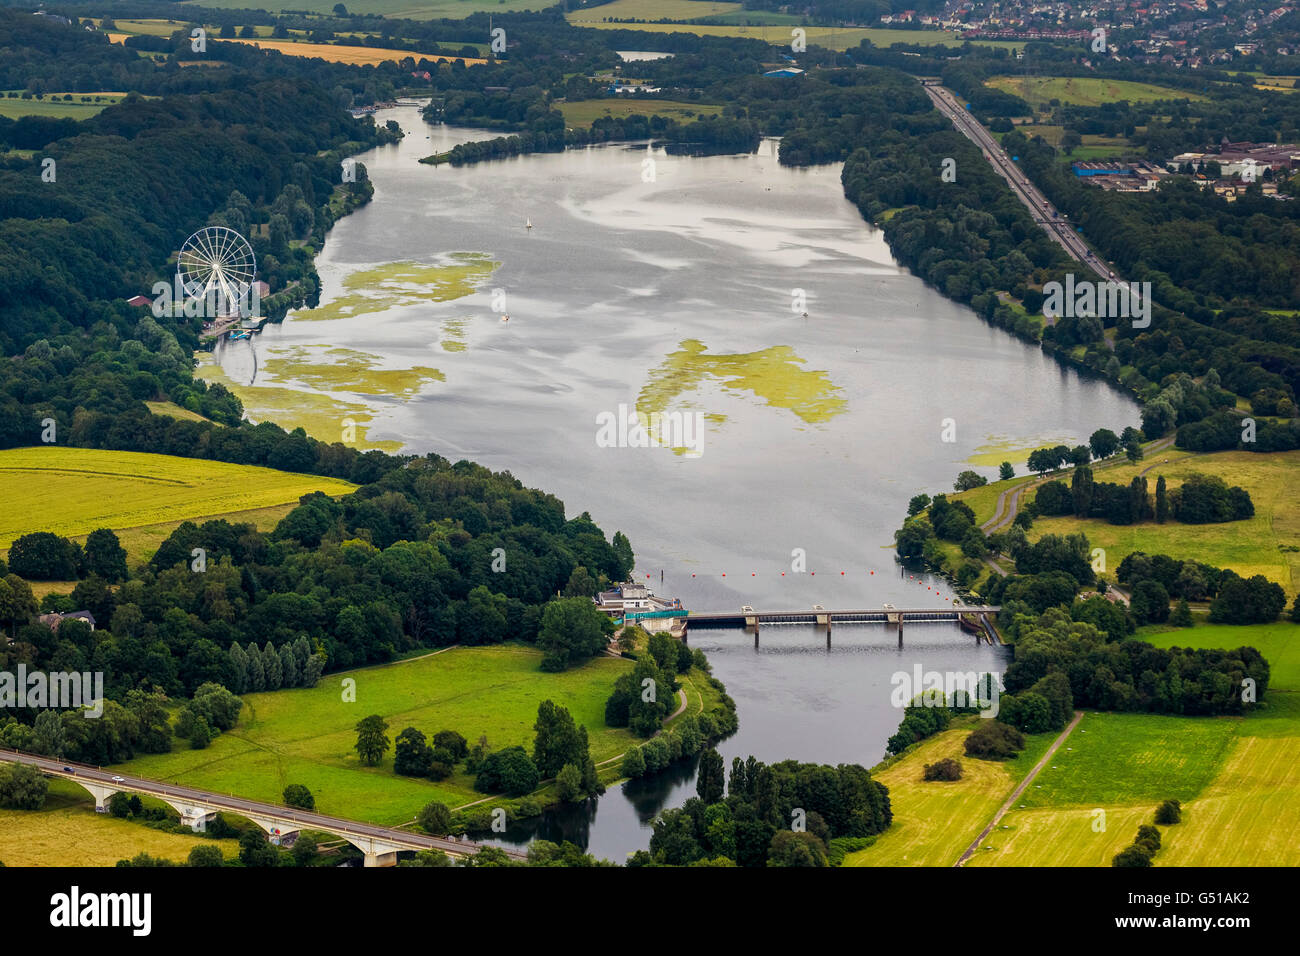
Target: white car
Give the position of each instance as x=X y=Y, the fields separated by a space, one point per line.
x=119 y=779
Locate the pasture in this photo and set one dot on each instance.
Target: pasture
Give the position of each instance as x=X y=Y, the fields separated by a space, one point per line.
x=585 y=112
x=307 y=736
x=55 y=105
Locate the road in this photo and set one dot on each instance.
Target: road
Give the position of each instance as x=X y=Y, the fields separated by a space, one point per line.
x=1055 y=224
x=1015 y=794
x=238 y=805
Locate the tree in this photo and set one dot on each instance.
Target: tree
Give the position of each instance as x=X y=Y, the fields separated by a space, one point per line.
x=200 y=734
x=1133 y=451
x=573 y=629
x=297 y=795
x=994 y=740
x=796 y=849
x=49 y=736
x=1162 y=500
x=105 y=556
x=1169 y=813
x=22 y=787
x=557 y=741
x=340 y=10
x=510 y=771
x=1182 y=615
x=255 y=851
x=633 y=763
x=1006 y=471
x=435 y=818
x=1081 y=491
x=1295 y=610
x=206 y=854
x=411 y=754
x=711 y=777
x=918 y=504
x=968 y=479
x=568 y=783
x=451 y=742
x=1132 y=856
x=1149 y=602
x=42 y=556
x=946 y=769
x=1103 y=443
x=372 y=742
x=305 y=850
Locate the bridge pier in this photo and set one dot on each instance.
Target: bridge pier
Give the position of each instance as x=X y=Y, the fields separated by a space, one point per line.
x=101 y=792
x=375 y=852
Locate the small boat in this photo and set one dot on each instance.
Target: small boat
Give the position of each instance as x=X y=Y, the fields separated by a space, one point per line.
x=528 y=223
x=505 y=316
x=240 y=335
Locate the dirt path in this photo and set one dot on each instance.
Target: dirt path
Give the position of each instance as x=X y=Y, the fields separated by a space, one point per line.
x=1015 y=794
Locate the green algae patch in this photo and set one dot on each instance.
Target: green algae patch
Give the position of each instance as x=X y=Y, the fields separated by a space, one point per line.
x=397 y=284
x=775 y=375
x=347 y=370
x=1014 y=450
x=320 y=416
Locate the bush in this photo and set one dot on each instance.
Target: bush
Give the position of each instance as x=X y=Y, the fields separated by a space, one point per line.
x=1148 y=837
x=945 y=769
x=1169 y=812
x=435 y=818
x=994 y=740
x=510 y=771
x=297 y=795
x=1134 y=855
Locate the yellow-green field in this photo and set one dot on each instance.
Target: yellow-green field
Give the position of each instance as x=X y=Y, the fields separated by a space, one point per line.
x=585 y=112
x=354 y=55
x=73 y=491
x=172 y=410
x=307 y=736
x=68 y=832
x=1254 y=546
x=1083 y=90
x=935 y=822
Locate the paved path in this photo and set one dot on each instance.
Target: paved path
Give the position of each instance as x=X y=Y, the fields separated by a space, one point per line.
x=1015 y=794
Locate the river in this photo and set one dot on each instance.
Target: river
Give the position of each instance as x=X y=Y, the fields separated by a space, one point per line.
x=829 y=384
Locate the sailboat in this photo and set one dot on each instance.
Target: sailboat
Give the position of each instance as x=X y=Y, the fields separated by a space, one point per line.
x=528 y=223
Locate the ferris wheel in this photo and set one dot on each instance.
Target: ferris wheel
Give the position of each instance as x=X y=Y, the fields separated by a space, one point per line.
x=216 y=258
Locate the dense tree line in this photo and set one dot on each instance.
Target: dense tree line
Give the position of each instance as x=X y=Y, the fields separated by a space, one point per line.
x=783 y=814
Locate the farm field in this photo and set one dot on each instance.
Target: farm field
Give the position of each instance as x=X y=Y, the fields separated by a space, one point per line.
x=1083 y=90
x=779 y=35
x=53 y=105
x=355 y=55
x=398 y=9
x=307 y=736
x=73 y=491
x=585 y=112
x=659 y=10
x=1257 y=545
x=1238 y=778
x=68 y=832
x=935 y=822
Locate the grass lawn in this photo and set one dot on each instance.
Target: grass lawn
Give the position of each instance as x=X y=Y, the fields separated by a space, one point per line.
x=1279 y=642
x=585 y=112
x=1256 y=545
x=68 y=832
x=73 y=491
x=935 y=822
x=1083 y=90
x=307 y=736
x=172 y=410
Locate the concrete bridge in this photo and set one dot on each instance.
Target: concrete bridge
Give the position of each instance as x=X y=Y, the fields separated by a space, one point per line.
x=974 y=619
x=379 y=845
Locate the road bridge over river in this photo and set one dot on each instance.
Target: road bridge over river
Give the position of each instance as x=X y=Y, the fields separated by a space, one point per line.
x=379 y=845
x=972 y=618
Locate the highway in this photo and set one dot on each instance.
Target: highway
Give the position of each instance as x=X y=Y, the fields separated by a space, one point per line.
x=304 y=819
x=1056 y=225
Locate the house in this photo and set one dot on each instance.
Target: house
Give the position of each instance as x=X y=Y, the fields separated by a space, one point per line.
x=632 y=603
x=139 y=300
x=52 y=621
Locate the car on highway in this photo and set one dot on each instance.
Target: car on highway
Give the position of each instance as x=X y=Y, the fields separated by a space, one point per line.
x=119 y=779
x=68 y=770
